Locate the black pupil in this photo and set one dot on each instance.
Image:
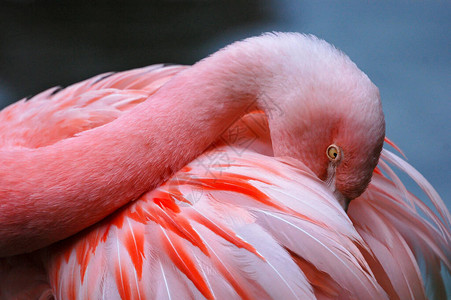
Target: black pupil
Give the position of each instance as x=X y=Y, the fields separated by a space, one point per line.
x=335 y=154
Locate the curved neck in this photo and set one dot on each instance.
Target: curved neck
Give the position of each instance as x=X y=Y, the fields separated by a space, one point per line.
x=53 y=192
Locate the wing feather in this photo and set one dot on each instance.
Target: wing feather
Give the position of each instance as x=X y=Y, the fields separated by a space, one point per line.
x=237 y=224
x=57 y=113
x=398 y=235
x=235 y=242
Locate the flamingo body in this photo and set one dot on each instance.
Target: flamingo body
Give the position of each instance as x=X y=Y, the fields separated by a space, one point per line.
x=235 y=222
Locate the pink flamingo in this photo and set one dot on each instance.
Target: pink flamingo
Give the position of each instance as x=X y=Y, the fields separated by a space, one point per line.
x=240 y=167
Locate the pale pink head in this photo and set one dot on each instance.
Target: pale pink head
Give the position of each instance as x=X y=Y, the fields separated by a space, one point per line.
x=320 y=98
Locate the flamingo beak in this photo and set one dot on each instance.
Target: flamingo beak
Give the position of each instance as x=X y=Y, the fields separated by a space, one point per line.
x=330 y=181
x=344 y=202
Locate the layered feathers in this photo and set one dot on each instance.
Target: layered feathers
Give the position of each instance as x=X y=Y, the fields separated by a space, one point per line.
x=234 y=223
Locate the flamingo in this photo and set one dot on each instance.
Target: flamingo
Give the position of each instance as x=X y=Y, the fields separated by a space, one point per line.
x=256 y=173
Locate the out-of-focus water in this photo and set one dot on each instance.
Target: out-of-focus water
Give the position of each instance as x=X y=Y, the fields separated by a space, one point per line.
x=405 y=48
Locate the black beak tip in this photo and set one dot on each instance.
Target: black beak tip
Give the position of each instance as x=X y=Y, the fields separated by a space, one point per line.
x=344 y=201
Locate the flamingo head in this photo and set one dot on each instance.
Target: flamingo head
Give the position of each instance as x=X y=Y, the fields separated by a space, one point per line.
x=328 y=114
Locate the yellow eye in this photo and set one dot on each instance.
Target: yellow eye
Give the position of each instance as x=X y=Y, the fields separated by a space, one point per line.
x=333 y=152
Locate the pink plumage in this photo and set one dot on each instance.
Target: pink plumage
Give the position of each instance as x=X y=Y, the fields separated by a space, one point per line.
x=235 y=196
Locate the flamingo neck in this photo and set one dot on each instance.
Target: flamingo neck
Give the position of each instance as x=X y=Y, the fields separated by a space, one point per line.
x=50 y=193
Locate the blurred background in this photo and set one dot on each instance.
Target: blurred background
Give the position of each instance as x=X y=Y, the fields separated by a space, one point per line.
x=404 y=47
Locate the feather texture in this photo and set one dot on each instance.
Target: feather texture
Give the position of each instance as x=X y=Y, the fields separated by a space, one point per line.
x=244 y=243
x=234 y=223
x=57 y=114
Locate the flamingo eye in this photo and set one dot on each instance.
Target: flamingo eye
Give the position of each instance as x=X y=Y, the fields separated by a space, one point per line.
x=333 y=153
